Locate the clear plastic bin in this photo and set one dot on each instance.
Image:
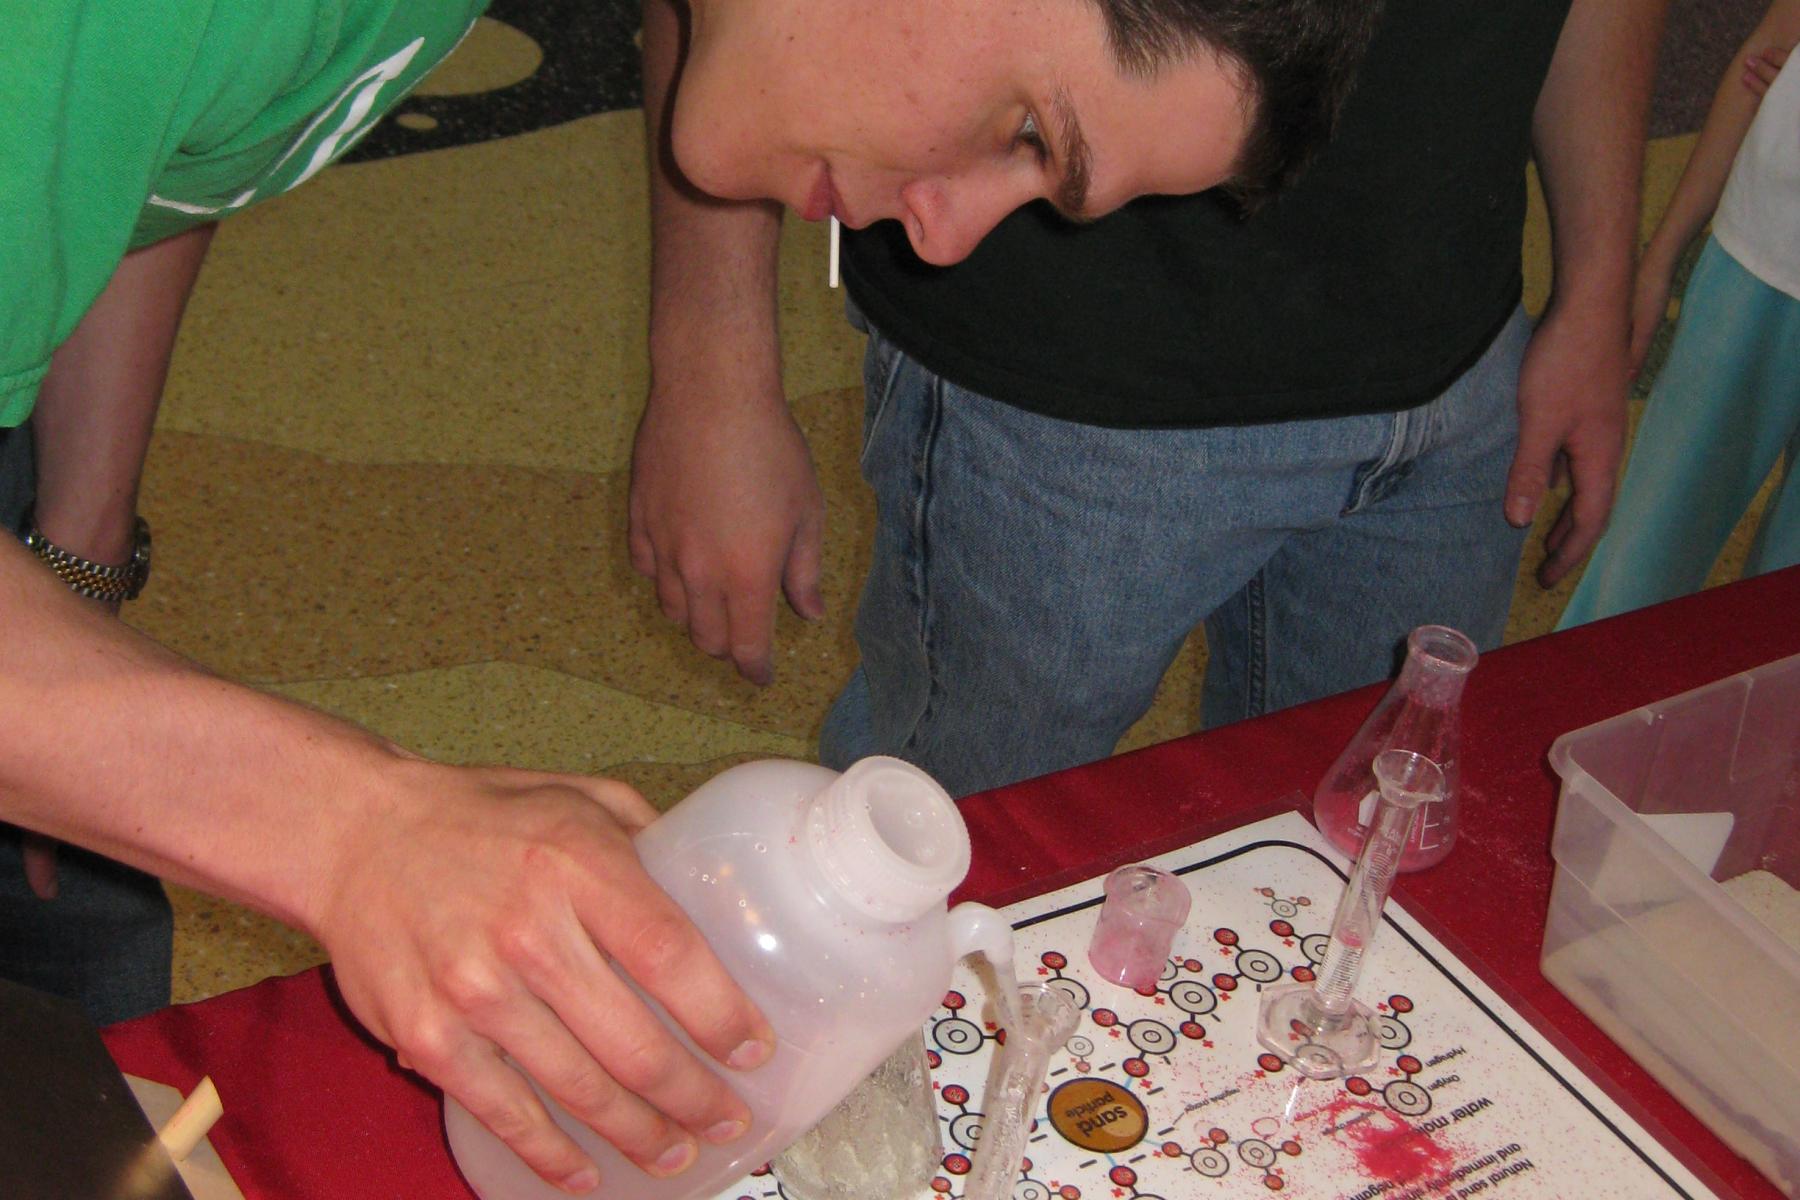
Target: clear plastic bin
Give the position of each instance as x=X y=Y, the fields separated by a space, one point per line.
x=1661 y=807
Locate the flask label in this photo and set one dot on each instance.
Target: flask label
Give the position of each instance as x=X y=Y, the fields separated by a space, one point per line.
x=1427 y=822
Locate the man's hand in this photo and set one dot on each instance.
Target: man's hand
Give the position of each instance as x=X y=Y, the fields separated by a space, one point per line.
x=1572 y=416
x=474 y=932
x=725 y=510
x=1588 y=137
x=474 y=915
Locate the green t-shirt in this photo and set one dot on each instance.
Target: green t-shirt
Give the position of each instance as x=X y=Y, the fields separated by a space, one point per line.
x=123 y=122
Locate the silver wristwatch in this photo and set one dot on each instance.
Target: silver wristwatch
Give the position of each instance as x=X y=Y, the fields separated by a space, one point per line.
x=111 y=583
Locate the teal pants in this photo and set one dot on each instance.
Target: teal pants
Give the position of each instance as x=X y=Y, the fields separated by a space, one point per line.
x=1725 y=407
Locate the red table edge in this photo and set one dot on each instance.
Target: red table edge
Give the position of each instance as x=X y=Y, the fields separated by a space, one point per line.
x=1570 y=1031
x=1330 y=721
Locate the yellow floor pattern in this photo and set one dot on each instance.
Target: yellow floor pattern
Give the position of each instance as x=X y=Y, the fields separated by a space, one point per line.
x=389 y=477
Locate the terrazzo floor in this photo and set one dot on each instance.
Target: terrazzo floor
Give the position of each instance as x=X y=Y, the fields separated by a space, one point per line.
x=389 y=477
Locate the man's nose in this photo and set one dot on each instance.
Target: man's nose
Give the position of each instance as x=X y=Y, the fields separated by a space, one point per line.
x=946 y=219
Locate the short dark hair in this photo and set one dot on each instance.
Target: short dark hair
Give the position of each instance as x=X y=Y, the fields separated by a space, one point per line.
x=1298 y=59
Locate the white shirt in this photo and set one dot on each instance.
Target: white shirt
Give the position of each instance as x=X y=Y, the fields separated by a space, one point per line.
x=1758 y=222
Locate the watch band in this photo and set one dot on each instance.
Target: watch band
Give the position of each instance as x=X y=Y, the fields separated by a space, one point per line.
x=111 y=583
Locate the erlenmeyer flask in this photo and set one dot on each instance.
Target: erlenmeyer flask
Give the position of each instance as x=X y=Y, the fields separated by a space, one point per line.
x=1421 y=712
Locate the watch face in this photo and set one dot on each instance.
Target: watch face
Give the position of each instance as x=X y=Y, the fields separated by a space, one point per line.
x=140 y=560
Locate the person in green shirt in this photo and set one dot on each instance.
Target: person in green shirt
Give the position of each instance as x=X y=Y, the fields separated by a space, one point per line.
x=129 y=131
x=475 y=917
x=472 y=914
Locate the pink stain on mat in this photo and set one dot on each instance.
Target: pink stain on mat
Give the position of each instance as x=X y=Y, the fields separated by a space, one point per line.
x=1385 y=1145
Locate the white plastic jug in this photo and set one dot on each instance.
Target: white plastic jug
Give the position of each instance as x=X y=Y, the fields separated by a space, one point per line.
x=823 y=895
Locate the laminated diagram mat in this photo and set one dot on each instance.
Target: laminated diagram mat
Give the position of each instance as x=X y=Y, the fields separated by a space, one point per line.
x=1164 y=1093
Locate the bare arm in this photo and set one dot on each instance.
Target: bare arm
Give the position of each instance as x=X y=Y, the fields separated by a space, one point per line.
x=99 y=400
x=92 y=421
x=725 y=508
x=1588 y=132
x=468 y=911
x=1708 y=166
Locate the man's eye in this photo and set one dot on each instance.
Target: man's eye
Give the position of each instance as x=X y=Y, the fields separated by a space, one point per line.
x=1029 y=136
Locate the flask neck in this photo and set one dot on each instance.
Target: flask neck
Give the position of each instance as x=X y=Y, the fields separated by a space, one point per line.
x=886 y=840
x=1438 y=662
x=1431 y=686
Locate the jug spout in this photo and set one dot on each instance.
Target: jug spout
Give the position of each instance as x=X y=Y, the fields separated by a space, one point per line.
x=978 y=929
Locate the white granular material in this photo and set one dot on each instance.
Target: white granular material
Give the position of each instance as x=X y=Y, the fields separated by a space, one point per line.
x=1655 y=982
x=1768 y=898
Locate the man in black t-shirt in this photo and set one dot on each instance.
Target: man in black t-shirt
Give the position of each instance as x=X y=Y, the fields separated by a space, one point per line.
x=1312 y=430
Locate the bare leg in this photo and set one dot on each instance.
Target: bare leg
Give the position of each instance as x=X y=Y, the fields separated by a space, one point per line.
x=93 y=418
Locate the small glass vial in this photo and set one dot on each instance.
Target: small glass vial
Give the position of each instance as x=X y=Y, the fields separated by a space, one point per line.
x=1421 y=712
x=1145 y=908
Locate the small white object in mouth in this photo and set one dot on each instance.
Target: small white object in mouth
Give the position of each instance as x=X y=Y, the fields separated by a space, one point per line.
x=831 y=272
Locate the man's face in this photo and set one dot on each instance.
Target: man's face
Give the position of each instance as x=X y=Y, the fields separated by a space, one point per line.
x=943 y=114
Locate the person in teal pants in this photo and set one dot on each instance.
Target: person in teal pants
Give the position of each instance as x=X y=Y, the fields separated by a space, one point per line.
x=1726 y=405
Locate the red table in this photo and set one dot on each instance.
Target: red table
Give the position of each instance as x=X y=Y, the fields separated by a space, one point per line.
x=316 y=1109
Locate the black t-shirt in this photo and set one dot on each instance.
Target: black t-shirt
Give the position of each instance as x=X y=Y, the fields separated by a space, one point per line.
x=1369 y=286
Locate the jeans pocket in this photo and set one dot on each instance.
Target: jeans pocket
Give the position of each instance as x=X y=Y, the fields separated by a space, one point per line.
x=882 y=363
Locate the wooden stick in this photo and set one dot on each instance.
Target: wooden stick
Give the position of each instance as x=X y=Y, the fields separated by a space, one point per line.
x=183 y=1131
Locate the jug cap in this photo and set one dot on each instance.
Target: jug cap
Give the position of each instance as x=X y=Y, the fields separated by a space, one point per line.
x=888 y=839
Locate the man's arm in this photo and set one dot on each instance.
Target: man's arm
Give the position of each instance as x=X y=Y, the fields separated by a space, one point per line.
x=1702 y=183
x=469 y=912
x=92 y=420
x=1588 y=133
x=725 y=507
x=98 y=402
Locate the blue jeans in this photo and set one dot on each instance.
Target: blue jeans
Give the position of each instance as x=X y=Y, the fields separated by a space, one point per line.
x=1032 y=578
x=1723 y=411
x=105 y=941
